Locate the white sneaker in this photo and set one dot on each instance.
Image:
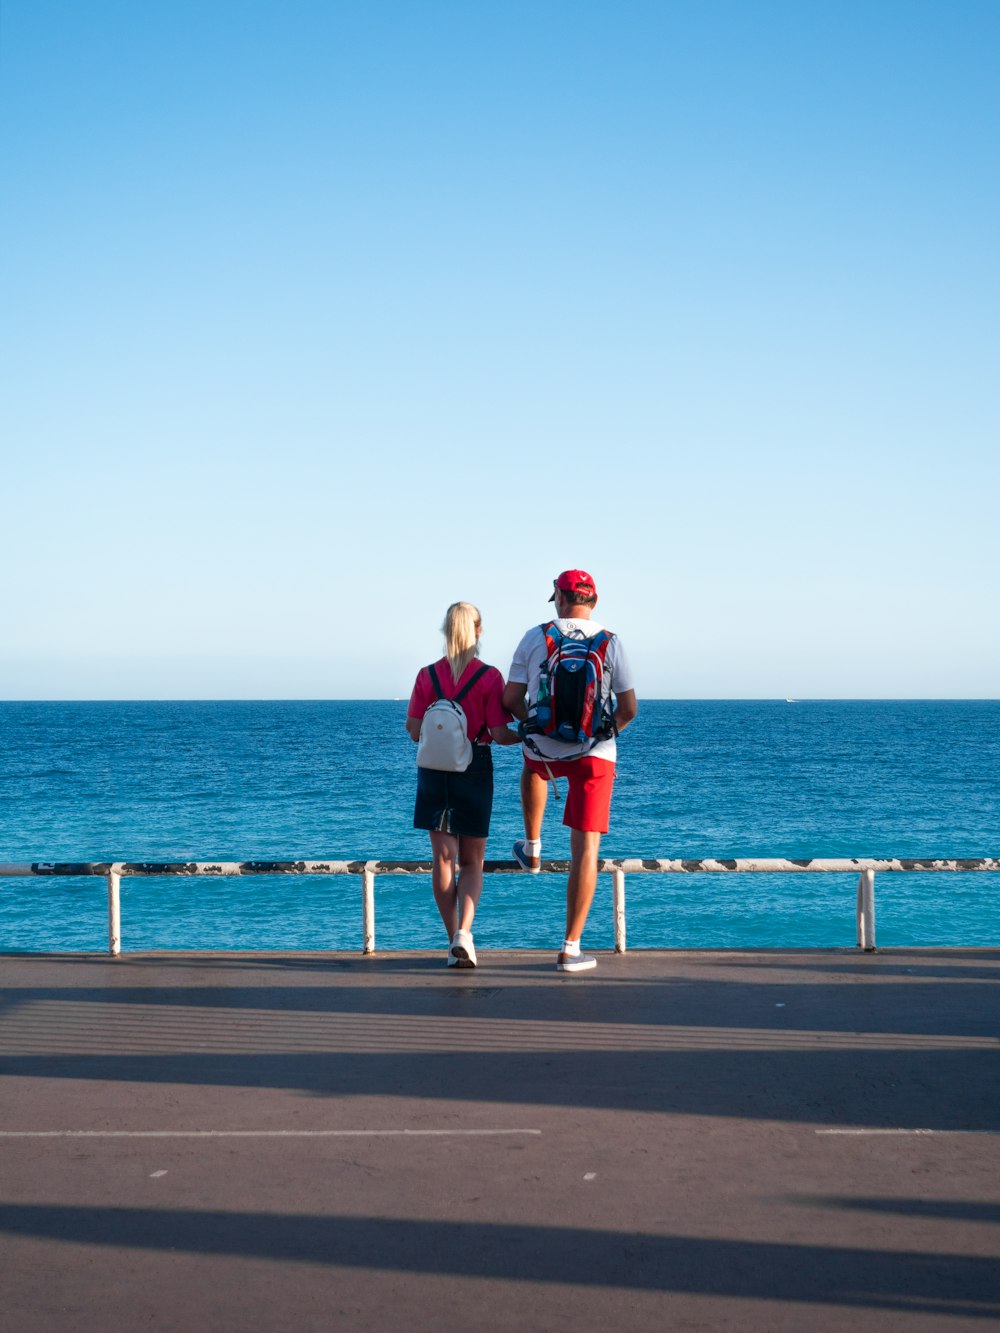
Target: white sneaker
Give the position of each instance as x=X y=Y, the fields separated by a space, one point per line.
x=575 y=962
x=452 y=960
x=463 y=949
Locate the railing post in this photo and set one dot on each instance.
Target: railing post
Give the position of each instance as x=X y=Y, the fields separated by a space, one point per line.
x=368 y=908
x=618 y=893
x=866 y=911
x=114 y=915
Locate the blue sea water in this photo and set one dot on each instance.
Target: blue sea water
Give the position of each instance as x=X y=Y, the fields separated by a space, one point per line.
x=335 y=779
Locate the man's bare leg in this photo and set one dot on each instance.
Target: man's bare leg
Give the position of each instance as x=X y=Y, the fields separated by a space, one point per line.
x=534 y=793
x=582 y=882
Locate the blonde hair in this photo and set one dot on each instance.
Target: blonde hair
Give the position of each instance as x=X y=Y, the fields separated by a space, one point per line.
x=462 y=623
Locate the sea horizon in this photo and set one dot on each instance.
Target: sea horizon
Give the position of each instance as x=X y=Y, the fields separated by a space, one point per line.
x=398 y=698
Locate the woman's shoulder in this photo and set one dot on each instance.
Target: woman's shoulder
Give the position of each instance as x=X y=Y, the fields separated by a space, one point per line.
x=423 y=678
x=439 y=666
x=492 y=675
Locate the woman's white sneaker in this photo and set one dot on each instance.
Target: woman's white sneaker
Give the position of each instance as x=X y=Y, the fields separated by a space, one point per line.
x=463 y=950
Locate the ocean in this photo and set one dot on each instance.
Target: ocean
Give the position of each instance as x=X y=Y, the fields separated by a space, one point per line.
x=169 y=781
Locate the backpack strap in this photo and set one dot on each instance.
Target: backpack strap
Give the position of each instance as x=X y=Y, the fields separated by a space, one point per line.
x=465 y=690
x=470 y=682
x=455 y=698
x=599 y=645
x=435 y=682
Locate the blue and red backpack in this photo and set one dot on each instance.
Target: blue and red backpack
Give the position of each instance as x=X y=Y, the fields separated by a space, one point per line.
x=570 y=705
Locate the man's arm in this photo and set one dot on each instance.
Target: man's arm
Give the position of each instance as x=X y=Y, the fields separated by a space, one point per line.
x=626 y=708
x=514 y=697
x=413 y=727
x=505 y=736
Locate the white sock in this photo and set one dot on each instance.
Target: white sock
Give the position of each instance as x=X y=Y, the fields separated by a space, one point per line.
x=571 y=948
x=533 y=846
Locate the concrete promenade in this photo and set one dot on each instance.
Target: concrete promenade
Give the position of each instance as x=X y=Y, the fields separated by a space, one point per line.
x=793 y=1140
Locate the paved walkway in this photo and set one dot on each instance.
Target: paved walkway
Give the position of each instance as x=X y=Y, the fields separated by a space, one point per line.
x=788 y=1140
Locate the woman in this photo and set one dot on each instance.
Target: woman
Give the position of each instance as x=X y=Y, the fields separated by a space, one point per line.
x=455 y=808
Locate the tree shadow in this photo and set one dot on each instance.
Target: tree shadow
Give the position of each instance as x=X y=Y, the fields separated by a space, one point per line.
x=949 y=1091
x=910 y=1281
x=939 y=1210
x=900 y=1054
x=894 y=963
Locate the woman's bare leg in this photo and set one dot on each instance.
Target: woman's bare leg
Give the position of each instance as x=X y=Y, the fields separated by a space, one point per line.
x=471 y=853
x=444 y=878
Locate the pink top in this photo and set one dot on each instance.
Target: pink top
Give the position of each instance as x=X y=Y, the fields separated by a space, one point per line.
x=482 y=705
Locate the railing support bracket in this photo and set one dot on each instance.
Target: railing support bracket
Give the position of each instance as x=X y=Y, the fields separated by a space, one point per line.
x=368 y=908
x=866 y=911
x=114 y=914
x=618 y=890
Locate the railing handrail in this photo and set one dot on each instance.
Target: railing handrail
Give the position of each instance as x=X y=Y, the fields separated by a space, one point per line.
x=629 y=865
x=864 y=867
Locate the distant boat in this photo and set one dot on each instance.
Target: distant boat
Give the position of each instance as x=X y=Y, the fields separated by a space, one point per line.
x=791 y=701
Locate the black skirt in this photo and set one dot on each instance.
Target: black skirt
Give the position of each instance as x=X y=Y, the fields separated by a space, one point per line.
x=459 y=803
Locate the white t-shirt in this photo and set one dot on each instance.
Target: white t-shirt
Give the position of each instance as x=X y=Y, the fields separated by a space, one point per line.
x=526 y=669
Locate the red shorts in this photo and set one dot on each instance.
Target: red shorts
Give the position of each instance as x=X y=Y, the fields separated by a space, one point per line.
x=588 y=805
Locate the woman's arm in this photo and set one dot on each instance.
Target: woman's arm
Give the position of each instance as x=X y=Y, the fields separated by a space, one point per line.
x=420 y=698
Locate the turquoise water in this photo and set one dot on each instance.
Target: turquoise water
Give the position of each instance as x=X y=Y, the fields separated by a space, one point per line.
x=281 y=780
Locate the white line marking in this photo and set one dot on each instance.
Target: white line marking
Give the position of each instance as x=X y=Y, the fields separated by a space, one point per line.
x=940 y=1133
x=255 y=1133
x=155 y=1175
x=590 y=1175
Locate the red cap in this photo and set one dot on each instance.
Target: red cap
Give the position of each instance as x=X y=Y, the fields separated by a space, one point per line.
x=575 y=580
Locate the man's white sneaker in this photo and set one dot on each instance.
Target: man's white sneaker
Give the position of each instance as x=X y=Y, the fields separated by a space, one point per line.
x=463 y=949
x=532 y=864
x=452 y=960
x=575 y=962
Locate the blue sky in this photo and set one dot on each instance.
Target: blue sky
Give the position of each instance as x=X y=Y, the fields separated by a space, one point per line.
x=318 y=317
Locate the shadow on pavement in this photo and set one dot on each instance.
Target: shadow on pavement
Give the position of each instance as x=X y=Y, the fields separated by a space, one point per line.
x=699 y=1039
x=916 y=1282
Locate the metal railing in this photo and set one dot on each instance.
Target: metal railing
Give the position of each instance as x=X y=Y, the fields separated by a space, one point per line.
x=864 y=867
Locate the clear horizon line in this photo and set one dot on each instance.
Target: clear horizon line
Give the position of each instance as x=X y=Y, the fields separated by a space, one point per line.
x=681 y=698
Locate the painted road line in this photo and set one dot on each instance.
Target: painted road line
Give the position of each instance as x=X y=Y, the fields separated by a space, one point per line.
x=258 y=1133
x=938 y=1133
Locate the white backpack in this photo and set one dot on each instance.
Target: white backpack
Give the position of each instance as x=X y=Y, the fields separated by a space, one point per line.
x=444 y=736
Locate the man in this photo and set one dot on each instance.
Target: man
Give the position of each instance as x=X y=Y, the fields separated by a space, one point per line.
x=588 y=760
